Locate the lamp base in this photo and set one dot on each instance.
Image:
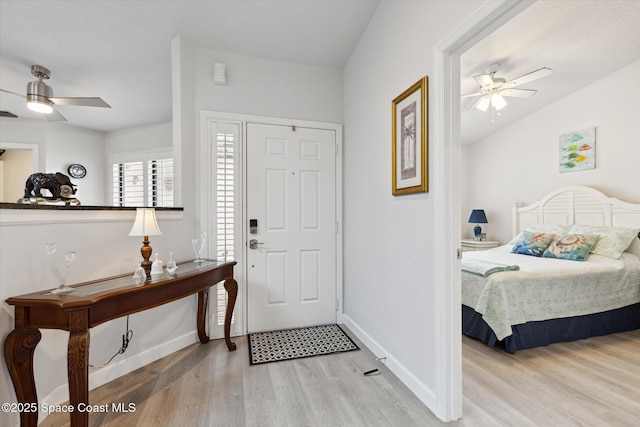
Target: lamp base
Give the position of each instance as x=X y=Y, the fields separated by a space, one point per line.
x=477 y=232
x=146 y=254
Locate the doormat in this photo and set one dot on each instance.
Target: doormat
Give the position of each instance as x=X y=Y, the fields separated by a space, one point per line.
x=288 y=344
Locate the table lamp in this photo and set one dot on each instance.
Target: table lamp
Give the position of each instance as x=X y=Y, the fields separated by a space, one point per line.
x=145 y=225
x=477 y=217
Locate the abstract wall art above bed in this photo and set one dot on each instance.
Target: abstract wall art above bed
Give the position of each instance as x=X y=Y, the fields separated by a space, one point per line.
x=578 y=150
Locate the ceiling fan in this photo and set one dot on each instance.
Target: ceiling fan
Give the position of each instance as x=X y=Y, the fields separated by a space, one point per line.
x=494 y=89
x=40 y=96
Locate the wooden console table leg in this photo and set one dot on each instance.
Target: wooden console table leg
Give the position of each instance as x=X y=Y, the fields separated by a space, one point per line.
x=77 y=365
x=232 y=292
x=19 y=347
x=203 y=302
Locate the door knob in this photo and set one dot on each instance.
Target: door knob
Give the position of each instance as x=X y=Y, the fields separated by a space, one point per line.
x=253 y=244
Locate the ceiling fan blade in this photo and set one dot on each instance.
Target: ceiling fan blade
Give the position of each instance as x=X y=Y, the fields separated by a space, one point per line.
x=85 y=102
x=472 y=94
x=534 y=75
x=484 y=80
x=7 y=114
x=55 y=116
x=518 y=93
x=13 y=93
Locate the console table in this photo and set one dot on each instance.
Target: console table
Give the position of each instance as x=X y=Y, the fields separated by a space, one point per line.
x=91 y=304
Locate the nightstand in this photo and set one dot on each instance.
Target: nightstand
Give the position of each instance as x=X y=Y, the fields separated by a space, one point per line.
x=478 y=245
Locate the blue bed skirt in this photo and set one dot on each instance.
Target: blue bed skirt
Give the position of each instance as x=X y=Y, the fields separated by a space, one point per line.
x=541 y=333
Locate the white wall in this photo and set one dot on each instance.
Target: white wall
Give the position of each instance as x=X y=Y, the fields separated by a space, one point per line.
x=389 y=280
x=22 y=131
x=530 y=168
x=67 y=145
x=269 y=88
x=141 y=138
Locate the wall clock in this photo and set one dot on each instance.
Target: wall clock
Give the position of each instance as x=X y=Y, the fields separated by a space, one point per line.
x=77 y=171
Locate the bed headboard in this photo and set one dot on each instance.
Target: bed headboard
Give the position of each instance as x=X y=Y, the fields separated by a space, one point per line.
x=579 y=205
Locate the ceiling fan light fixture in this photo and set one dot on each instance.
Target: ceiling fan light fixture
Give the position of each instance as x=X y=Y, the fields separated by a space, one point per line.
x=484 y=104
x=498 y=102
x=39 y=106
x=38 y=94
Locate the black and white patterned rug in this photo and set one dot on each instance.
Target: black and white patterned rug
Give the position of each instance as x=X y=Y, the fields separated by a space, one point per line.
x=265 y=347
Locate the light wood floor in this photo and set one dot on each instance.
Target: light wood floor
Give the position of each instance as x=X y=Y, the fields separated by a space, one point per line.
x=594 y=382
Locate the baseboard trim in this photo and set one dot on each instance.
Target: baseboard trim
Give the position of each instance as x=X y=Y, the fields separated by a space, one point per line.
x=424 y=393
x=109 y=373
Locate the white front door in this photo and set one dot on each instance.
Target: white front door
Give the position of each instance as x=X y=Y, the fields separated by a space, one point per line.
x=291 y=198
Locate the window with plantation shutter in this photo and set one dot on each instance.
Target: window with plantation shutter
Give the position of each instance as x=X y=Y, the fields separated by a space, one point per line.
x=160 y=180
x=226 y=141
x=142 y=179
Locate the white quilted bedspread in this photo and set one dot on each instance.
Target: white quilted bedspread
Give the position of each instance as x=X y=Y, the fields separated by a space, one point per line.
x=547 y=288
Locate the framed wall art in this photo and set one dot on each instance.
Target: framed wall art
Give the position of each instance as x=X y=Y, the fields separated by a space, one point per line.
x=410 y=128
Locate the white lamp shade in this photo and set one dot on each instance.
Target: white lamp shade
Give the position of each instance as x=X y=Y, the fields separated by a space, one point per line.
x=145 y=223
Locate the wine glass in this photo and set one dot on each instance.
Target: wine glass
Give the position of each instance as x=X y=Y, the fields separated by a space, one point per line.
x=69 y=256
x=50 y=249
x=198 y=249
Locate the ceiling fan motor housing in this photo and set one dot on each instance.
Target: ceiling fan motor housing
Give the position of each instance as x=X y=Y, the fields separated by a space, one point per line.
x=39 y=92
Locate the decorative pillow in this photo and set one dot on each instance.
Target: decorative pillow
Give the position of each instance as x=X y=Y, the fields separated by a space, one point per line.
x=613 y=240
x=557 y=229
x=531 y=243
x=574 y=247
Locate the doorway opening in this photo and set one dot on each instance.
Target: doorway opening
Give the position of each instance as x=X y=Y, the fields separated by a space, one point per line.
x=447 y=184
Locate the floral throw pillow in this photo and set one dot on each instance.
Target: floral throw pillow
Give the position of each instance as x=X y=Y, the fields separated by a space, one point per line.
x=573 y=247
x=532 y=243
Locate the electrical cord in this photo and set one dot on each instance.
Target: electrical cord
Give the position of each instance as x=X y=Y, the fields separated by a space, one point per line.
x=126 y=338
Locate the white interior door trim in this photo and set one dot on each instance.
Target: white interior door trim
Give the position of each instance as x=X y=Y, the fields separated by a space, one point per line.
x=208 y=117
x=446 y=150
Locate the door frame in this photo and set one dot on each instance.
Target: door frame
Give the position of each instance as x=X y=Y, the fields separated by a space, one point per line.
x=209 y=117
x=446 y=151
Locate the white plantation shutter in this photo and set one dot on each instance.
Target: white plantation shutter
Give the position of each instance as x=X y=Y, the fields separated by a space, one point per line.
x=225 y=195
x=142 y=179
x=225 y=180
x=160 y=180
x=128 y=184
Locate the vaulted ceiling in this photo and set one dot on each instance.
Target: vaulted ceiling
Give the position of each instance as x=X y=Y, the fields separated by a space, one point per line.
x=581 y=41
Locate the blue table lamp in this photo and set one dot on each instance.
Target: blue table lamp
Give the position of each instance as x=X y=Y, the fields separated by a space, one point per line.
x=477 y=217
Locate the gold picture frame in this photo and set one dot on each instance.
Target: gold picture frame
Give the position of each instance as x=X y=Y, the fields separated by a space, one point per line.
x=409 y=141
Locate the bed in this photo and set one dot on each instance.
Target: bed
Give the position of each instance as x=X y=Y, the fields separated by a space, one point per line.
x=520 y=301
